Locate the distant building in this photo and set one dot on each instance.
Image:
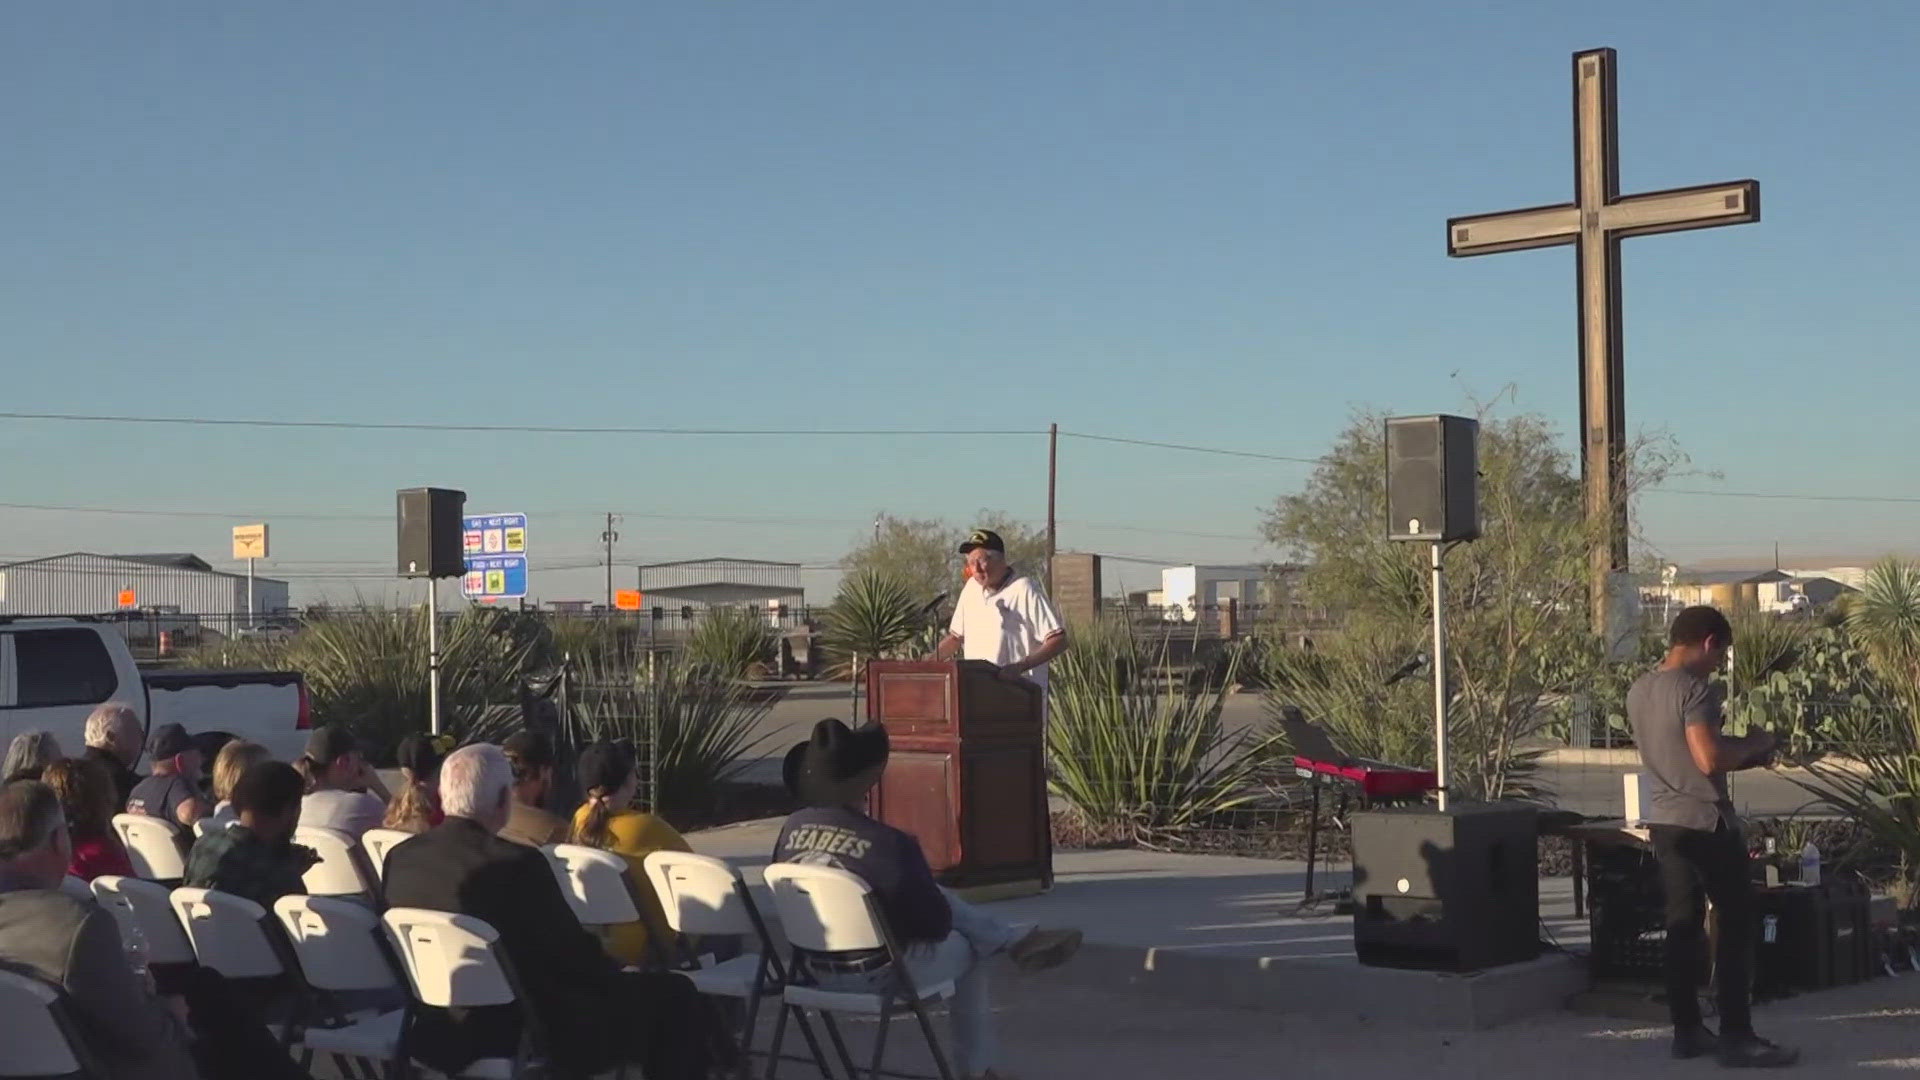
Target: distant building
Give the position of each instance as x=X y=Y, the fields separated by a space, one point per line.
x=721 y=582
x=175 y=584
x=1764 y=592
x=1187 y=591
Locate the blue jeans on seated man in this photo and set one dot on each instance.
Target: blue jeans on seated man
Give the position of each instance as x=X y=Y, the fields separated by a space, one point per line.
x=977 y=937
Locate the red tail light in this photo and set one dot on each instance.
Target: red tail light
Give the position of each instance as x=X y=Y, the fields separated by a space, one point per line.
x=304 y=720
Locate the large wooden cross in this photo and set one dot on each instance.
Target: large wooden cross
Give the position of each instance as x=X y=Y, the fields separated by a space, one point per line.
x=1595 y=222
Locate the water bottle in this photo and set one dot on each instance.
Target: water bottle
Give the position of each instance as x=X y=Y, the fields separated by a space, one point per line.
x=1809 y=864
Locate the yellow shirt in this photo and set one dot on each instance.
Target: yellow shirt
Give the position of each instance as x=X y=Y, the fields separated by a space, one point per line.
x=635 y=836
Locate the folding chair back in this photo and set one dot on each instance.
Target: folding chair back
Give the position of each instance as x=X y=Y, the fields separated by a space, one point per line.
x=449 y=960
x=76 y=888
x=144 y=908
x=153 y=846
x=338 y=943
x=38 y=1038
x=595 y=883
x=377 y=843
x=824 y=909
x=342 y=869
x=701 y=895
x=229 y=933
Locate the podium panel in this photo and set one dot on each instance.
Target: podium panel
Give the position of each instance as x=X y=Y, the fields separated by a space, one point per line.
x=967 y=775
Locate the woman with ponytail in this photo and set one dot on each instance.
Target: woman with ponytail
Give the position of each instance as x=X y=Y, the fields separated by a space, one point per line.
x=416 y=806
x=607 y=820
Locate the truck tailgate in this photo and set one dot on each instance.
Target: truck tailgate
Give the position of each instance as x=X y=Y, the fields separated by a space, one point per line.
x=266 y=707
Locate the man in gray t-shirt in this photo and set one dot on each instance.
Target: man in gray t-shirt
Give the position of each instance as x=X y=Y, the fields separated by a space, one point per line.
x=1676 y=720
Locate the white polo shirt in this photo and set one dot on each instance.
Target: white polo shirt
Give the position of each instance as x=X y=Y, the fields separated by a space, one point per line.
x=1005 y=625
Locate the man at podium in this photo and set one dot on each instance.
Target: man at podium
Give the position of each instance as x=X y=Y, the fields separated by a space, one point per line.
x=1002 y=616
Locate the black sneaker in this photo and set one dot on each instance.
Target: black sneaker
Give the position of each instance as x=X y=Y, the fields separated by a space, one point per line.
x=1696 y=1041
x=1754 y=1052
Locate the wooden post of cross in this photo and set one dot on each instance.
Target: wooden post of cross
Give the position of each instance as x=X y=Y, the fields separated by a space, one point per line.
x=1595 y=222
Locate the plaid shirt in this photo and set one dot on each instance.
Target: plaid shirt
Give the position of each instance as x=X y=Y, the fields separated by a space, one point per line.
x=234 y=860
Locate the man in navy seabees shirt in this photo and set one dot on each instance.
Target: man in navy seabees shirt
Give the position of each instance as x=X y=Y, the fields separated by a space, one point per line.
x=945 y=938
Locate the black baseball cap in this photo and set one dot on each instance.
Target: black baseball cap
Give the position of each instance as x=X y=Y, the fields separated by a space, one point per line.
x=328 y=742
x=983 y=538
x=170 y=740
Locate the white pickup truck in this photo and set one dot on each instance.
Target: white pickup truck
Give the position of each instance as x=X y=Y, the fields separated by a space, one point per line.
x=54 y=671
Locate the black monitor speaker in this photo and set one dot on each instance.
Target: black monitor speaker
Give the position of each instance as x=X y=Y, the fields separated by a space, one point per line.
x=1455 y=890
x=430 y=522
x=1433 y=478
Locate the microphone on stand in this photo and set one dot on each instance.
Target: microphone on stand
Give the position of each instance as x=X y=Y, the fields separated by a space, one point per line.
x=1418 y=661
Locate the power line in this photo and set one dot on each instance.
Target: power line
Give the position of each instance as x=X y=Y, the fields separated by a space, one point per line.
x=1182 y=446
x=489 y=429
x=1788 y=495
x=341 y=515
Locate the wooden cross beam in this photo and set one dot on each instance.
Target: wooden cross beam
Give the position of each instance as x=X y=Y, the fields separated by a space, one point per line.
x=1595 y=222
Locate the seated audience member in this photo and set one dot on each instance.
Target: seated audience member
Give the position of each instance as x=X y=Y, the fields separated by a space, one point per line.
x=29 y=755
x=86 y=799
x=233 y=760
x=943 y=936
x=343 y=791
x=607 y=820
x=172 y=793
x=591 y=1014
x=416 y=807
x=75 y=945
x=530 y=753
x=114 y=738
x=256 y=857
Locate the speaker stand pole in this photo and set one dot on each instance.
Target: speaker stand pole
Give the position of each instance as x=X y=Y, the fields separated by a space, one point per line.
x=433 y=656
x=1439 y=679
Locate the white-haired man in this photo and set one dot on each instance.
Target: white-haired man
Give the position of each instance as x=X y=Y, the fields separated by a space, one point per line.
x=115 y=740
x=593 y=1015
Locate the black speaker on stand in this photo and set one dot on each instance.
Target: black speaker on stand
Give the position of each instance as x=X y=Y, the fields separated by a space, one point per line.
x=1433 y=478
x=429 y=525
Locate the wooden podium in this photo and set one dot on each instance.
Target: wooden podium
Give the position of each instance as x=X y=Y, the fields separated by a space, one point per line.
x=967 y=772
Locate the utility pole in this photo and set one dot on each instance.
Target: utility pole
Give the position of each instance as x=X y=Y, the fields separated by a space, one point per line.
x=1053 y=477
x=607 y=538
x=876 y=530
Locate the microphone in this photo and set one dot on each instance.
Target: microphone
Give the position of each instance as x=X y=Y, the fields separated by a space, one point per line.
x=1418 y=661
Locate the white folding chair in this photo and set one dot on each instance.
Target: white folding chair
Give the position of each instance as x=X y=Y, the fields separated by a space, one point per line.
x=451 y=962
x=228 y=933
x=377 y=843
x=76 y=888
x=37 y=1037
x=342 y=869
x=601 y=892
x=153 y=846
x=706 y=897
x=341 y=949
x=827 y=910
x=143 y=908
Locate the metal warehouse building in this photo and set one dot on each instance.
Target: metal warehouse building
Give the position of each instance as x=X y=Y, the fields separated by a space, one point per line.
x=84 y=584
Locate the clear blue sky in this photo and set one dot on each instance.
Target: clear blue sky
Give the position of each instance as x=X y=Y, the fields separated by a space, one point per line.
x=1218 y=223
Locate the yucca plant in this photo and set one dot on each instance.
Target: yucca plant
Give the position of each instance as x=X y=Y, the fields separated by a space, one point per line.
x=1144 y=762
x=368 y=670
x=875 y=616
x=730 y=641
x=1762 y=645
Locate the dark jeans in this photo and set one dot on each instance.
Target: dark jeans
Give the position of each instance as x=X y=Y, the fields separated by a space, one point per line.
x=1696 y=863
x=230 y=1036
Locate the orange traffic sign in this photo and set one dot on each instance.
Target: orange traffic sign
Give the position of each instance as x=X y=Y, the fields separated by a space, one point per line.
x=128 y=599
x=627 y=599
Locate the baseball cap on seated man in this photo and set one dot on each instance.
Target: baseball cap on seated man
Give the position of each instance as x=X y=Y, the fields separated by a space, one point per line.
x=983 y=538
x=170 y=740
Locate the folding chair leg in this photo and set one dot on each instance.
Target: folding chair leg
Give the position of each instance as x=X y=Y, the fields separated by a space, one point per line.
x=813 y=1044
x=933 y=1043
x=779 y=1036
x=880 y=1039
x=753 y=1017
x=840 y=1045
